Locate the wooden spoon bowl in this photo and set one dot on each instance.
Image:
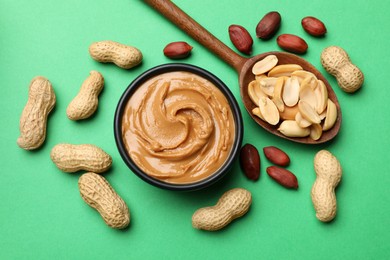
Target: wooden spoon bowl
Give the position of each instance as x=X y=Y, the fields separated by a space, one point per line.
x=246 y=76
x=243 y=66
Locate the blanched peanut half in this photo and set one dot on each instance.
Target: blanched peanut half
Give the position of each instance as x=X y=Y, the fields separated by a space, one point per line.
x=315 y=131
x=302 y=74
x=291 y=91
x=284 y=70
x=307 y=93
x=264 y=65
x=289 y=113
x=258 y=78
x=269 y=111
x=323 y=114
x=251 y=92
x=256 y=111
x=267 y=85
x=308 y=112
x=301 y=121
x=321 y=94
x=277 y=97
x=331 y=116
x=312 y=82
x=255 y=92
x=291 y=128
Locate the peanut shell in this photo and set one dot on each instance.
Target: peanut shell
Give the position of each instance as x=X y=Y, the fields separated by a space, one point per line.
x=233 y=204
x=33 y=121
x=98 y=193
x=73 y=158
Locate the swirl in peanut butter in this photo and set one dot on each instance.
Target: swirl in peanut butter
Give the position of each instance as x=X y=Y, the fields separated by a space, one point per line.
x=178 y=127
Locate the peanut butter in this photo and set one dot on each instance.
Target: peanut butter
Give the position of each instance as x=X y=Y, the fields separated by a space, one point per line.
x=178 y=127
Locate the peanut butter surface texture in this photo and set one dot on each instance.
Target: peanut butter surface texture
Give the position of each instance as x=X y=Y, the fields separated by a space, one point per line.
x=178 y=127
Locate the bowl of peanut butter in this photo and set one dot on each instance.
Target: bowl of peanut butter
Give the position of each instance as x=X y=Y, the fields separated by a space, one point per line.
x=178 y=127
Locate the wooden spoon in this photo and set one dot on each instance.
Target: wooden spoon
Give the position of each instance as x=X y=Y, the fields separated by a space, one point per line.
x=243 y=66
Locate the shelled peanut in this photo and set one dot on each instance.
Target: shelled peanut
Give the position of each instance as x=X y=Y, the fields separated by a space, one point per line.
x=291 y=97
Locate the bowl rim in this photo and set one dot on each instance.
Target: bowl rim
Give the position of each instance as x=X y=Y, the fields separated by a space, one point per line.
x=171 y=67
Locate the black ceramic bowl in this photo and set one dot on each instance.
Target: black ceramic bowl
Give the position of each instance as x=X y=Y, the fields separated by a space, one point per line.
x=200 y=72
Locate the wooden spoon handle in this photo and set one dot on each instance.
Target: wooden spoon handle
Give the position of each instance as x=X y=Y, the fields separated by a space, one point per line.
x=197 y=32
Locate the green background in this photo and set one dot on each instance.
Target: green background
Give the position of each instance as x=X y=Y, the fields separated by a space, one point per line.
x=42 y=215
